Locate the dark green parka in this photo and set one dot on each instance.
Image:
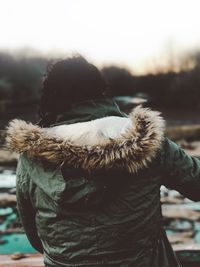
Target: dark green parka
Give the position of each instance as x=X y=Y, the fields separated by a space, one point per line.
x=89 y=195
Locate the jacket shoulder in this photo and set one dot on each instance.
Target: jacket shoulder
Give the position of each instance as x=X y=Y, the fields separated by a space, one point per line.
x=22 y=173
x=170 y=152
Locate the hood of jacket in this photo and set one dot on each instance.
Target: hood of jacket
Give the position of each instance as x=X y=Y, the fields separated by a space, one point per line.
x=111 y=142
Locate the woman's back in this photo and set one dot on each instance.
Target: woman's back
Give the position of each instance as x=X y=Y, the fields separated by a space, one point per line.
x=86 y=215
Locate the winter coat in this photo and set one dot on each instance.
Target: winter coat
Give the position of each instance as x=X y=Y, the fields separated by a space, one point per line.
x=88 y=187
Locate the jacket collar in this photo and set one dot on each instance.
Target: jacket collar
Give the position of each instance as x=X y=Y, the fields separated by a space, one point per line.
x=88 y=110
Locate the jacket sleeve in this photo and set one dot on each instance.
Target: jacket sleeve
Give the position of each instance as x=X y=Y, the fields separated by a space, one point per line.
x=180 y=171
x=25 y=207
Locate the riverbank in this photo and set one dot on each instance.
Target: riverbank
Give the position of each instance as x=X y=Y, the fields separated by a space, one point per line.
x=28 y=260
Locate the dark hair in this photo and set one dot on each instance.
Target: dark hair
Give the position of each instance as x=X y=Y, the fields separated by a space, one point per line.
x=67 y=81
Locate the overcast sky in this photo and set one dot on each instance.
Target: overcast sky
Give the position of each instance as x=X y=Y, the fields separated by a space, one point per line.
x=133 y=33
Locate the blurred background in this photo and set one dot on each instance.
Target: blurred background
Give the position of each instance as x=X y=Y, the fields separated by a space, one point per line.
x=149 y=52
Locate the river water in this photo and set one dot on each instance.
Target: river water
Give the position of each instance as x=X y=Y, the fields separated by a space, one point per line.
x=11 y=237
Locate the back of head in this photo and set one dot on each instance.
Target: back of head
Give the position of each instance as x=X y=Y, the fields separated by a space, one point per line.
x=67 y=81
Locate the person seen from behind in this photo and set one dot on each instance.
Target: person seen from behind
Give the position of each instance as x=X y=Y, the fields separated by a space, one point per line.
x=89 y=176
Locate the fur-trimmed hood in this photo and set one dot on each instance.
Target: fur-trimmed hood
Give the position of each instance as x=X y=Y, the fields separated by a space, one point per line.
x=110 y=142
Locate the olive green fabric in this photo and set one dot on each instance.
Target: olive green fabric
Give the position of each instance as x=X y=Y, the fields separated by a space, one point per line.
x=102 y=218
x=89 y=110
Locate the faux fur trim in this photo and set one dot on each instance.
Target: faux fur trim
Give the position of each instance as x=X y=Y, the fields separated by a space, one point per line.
x=132 y=150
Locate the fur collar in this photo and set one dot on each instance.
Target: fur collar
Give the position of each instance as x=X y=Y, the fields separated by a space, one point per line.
x=132 y=150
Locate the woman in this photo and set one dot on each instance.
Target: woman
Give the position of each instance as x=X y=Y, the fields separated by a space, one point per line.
x=89 y=177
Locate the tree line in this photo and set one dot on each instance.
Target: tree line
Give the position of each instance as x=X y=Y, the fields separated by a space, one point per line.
x=20 y=82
